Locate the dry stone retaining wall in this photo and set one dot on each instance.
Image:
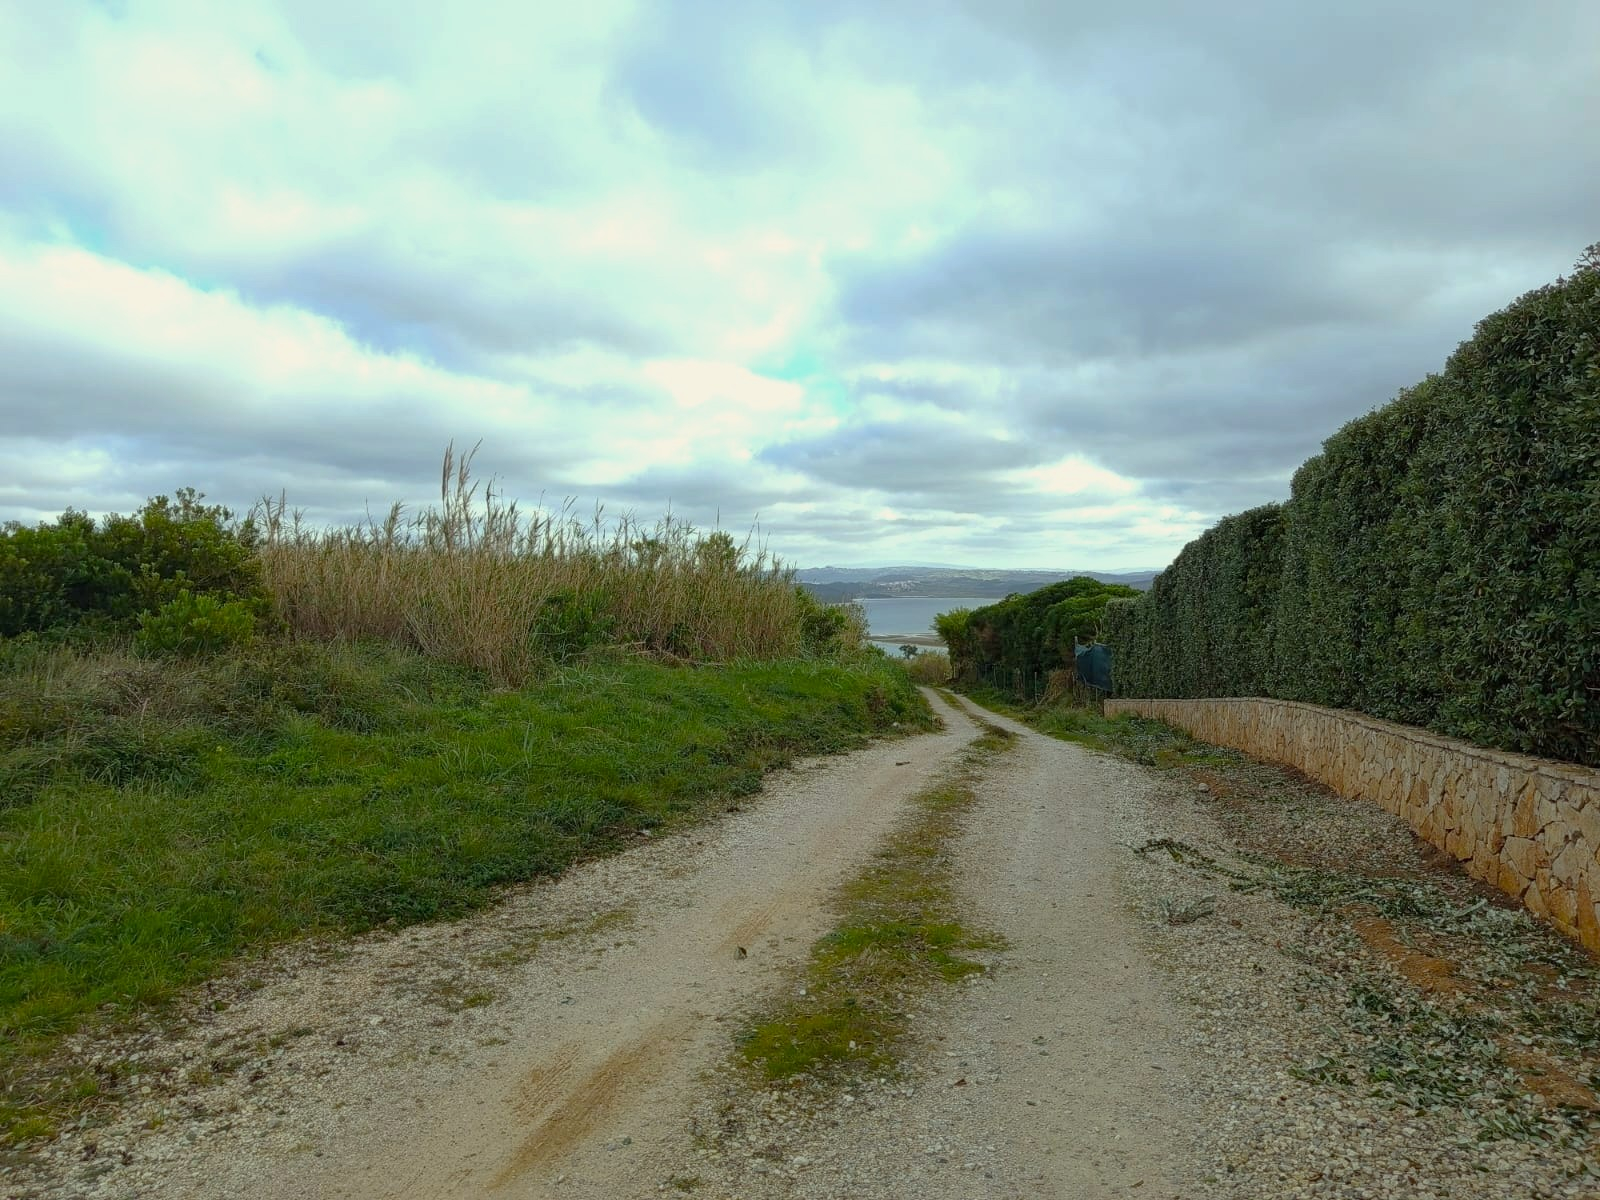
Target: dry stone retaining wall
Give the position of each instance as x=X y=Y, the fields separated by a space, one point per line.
x=1530 y=826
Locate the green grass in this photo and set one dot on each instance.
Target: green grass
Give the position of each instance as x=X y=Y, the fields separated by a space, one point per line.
x=1153 y=743
x=899 y=932
x=160 y=819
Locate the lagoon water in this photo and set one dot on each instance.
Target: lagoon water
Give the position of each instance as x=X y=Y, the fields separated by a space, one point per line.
x=908 y=616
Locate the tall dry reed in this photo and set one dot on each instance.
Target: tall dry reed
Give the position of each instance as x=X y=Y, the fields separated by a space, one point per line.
x=477 y=581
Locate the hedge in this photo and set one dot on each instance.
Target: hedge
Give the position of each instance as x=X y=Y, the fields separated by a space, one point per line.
x=1215 y=604
x=1437 y=564
x=1027 y=635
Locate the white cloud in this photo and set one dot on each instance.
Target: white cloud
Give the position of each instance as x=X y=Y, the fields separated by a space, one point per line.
x=1012 y=283
x=1071 y=476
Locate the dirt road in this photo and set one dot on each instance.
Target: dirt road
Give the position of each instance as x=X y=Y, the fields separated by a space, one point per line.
x=558 y=1045
x=577 y=1041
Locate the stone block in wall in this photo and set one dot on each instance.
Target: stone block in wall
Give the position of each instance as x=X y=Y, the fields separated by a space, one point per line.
x=1533 y=898
x=1585 y=823
x=1526 y=814
x=1569 y=855
x=1563 y=902
x=1509 y=881
x=1588 y=918
x=1484 y=866
x=1522 y=856
x=1417 y=793
x=1546 y=805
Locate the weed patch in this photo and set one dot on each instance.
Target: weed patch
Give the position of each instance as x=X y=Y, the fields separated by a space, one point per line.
x=899 y=933
x=1153 y=743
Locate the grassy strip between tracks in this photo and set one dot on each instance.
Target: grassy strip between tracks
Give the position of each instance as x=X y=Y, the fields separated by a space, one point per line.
x=899 y=933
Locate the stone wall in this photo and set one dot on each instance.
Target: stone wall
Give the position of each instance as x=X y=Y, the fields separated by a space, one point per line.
x=1530 y=826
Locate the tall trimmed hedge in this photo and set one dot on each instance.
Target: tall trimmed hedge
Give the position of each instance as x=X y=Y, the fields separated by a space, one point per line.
x=1437 y=564
x=1205 y=627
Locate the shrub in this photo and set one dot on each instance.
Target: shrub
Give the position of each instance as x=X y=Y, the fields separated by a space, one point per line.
x=568 y=622
x=1437 y=564
x=76 y=571
x=828 y=628
x=1019 y=642
x=189 y=624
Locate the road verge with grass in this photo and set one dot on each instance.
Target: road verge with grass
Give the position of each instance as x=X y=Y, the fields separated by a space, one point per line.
x=161 y=818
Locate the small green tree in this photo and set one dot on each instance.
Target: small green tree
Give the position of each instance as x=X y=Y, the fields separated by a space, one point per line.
x=719 y=551
x=955 y=630
x=188 y=625
x=76 y=571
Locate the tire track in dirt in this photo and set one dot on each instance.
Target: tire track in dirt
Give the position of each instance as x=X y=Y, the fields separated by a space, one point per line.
x=596 y=1041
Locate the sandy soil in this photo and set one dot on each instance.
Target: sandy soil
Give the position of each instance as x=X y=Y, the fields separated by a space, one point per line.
x=1057 y=1074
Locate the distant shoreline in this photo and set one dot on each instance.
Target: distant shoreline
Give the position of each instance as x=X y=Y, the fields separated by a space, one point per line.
x=907 y=639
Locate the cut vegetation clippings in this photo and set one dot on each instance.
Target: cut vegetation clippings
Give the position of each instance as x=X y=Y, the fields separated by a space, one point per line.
x=1423 y=990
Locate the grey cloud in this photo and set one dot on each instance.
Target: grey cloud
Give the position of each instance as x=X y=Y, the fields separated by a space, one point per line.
x=707 y=496
x=62 y=390
x=903 y=457
x=1186 y=242
x=1024 y=296
x=703 y=76
x=458 y=311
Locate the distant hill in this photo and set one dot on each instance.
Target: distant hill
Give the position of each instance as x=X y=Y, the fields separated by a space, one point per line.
x=866 y=583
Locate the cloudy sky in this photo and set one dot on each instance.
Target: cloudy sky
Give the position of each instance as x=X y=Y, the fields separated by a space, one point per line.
x=992 y=282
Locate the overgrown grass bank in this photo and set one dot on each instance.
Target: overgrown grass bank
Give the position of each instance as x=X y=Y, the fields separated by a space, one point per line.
x=158 y=818
x=899 y=932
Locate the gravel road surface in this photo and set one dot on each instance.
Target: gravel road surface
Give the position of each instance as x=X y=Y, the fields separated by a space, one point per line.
x=577 y=1041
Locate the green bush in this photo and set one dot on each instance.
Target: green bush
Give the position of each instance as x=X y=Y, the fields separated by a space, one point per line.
x=189 y=624
x=76 y=571
x=1019 y=641
x=1206 y=626
x=1437 y=564
x=570 y=621
x=828 y=628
